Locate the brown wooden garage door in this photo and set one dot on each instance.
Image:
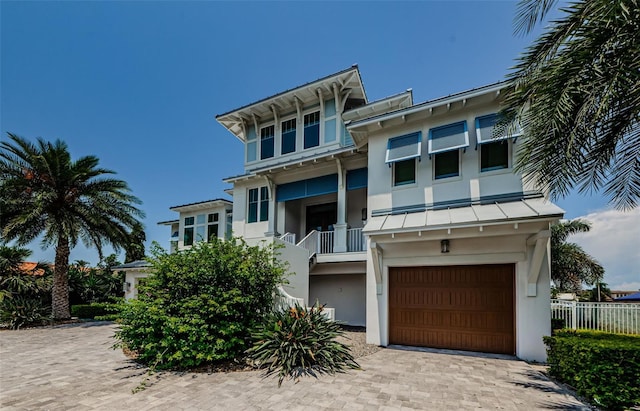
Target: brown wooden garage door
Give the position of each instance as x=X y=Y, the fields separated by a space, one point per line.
x=456 y=307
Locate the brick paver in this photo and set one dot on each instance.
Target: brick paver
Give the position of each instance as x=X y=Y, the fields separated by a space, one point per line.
x=74 y=368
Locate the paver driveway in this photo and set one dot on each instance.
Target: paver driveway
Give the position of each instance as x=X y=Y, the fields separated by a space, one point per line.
x=73 y=367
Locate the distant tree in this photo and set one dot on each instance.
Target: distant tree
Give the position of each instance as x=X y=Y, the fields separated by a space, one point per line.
x=576 y=93
x=571 y=266
x=44 y=192
x=135 y=247
x=600 y=292
x=94 y=284
x=25 y=292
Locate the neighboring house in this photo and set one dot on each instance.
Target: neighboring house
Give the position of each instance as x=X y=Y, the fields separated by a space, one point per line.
x=32 y=268
x=407 y=218
x=629 y=298
x=618 y=293
x=199 y=221
x=135 y=272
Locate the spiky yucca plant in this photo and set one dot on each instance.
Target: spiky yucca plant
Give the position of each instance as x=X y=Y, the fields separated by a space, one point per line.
x=300 y=342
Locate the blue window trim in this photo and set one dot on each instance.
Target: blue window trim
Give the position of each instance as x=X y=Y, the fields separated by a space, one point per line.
x=417 y=155
x=466 y=137
x=479 y=139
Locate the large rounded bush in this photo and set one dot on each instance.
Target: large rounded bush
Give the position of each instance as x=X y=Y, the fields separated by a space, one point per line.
x=200 y=304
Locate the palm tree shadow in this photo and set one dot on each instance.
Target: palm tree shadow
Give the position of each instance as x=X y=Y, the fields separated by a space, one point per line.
x=536 y=380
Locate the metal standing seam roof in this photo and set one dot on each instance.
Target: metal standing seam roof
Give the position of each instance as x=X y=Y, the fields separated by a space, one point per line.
x=630 y=297
x=469 y=215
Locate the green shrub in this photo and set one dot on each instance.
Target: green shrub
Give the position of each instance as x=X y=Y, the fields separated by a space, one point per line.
x=300 y=342
x=24 y=299
x=100 y=311
x=18 y=311
x=200 y=304
x=601 y=366
x=557 y=324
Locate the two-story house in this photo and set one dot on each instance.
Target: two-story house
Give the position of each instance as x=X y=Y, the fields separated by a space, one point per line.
x=407 y=218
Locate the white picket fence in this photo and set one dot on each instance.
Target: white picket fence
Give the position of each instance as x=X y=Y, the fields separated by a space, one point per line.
x=622 y=318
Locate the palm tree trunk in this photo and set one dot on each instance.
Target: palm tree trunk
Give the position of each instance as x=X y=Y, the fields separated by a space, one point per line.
x=60 y=292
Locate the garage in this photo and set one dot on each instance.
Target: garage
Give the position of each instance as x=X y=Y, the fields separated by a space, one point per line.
x=467 y=307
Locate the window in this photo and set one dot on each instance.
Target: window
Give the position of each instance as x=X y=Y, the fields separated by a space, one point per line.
x=494 y=156
x=212 y=227
x=446 y=164
x=266 y=142
x=289 y=136
x=260 y=204
x=188 y=231
x=485 y=128
x=312 y=130
x=494 y=150
x=404 y=147
x=449 y=137
x=264 y=204
x=200 y=226
x=229 y=229
x=404 y=172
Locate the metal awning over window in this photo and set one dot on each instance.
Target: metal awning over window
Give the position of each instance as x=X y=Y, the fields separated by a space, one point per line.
x=448 y=138
x=484 y=130
x=404 y=147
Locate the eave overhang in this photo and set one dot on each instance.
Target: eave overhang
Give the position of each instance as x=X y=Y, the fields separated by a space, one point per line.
x=219 y=202
x=236 y=121
x=360 y=129
x=169 y=222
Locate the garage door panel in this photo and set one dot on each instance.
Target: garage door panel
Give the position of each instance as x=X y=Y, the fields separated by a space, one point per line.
x=459 y=307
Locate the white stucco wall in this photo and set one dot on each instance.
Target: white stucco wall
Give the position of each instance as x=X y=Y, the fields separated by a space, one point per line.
x=471 y=183
x=298 y=279
x=344 y=292
x=133 y=277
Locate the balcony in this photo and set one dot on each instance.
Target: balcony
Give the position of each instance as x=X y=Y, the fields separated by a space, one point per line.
x=322 y=244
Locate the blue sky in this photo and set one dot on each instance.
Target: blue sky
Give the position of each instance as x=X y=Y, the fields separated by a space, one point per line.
x=138 y=84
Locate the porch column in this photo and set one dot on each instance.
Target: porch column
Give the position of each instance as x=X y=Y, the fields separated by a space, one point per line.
x=340 y=228
x=271 y=230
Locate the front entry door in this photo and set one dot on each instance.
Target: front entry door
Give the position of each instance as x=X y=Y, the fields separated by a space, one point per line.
x=321 y=216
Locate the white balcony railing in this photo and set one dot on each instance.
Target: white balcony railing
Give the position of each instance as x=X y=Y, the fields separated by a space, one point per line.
x=355 y=240
x=310 y=242
x=289 y=238
x=325 y=242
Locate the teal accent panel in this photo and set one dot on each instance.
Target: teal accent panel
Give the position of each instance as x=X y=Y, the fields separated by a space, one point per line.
x=251 y=151
x=329 y=108
x=251 y=133
x=357 y=178
x=346 y=137
x=307 y=188
x=330 y=130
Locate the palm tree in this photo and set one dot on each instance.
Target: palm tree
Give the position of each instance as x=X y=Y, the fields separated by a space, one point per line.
x=576 y=94
x=135 y=249
x=571 y=266
x=44 y=192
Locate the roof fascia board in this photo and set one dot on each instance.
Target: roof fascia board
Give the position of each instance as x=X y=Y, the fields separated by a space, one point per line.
x=428 y=105
x=315 y=83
